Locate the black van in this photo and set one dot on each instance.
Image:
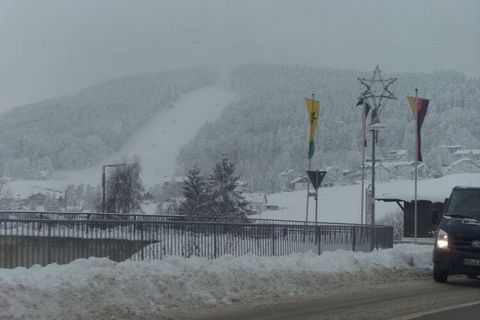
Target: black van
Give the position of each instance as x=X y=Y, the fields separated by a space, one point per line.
x=457 y=247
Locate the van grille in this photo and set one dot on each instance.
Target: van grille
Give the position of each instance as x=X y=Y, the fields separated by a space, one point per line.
x=464 y=244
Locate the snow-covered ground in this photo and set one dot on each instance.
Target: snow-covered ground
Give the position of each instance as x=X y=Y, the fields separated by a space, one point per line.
x=157 y=144
x=342 y=204
x=102 y=289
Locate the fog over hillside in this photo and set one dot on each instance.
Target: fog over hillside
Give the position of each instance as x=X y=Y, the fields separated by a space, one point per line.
x=56 y=47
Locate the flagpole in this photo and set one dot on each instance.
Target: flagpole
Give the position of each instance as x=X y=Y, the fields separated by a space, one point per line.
x=309 y=168
x=416 y=164
x=363 y=163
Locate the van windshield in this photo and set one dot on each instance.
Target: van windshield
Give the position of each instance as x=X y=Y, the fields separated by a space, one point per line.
x=465 y=203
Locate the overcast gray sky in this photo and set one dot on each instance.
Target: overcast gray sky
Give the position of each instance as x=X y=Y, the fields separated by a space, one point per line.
x=55 y=47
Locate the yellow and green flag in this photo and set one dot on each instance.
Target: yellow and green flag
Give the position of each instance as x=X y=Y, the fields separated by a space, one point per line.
x=313 y=109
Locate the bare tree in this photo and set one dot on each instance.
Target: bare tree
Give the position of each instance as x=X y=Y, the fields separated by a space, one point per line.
x=124 y=188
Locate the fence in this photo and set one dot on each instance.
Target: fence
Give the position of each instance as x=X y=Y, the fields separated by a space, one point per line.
x=25 y=242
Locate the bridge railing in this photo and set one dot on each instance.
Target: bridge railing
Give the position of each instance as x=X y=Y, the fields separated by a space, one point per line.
x=25 y=242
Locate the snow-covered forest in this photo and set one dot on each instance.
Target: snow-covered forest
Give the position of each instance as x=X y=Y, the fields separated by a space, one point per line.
x=76 y=131
x=265 y=131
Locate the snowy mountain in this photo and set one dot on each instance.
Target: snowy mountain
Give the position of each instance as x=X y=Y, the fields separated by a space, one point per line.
x=265 y=131
x=156 y=144
x=77 y=131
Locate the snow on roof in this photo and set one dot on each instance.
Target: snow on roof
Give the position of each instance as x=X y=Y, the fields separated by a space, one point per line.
x=300 y=179
x=468 y=151
x=286 y=172
x=456 y=163
x=436 y=190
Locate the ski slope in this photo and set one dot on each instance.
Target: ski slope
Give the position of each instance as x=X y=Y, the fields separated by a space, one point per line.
x=157 y=144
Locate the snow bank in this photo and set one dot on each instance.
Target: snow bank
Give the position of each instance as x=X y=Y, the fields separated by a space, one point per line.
x=102 y=289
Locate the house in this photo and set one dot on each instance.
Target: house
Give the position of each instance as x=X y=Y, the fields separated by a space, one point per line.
x=170 y=206
x=451 y=148
x=406 y=169
x=147 y=196
x=378 y=158
x=286 y=176
x=299 y=183
x=37 y=199
x=396 y=155
x=257 y=202
x=463 y=166
x=381 y=173
x=328 y=181
x=473 y=154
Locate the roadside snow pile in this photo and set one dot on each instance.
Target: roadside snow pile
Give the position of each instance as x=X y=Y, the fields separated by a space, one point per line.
x=98 y=288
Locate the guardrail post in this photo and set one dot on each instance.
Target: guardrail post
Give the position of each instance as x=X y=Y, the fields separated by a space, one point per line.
x=354 y=238
x=317 y=238
x=142 y=255
x=215 y=240
x=273 y=240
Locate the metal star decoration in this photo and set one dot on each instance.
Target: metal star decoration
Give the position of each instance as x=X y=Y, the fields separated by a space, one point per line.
x=377 y=91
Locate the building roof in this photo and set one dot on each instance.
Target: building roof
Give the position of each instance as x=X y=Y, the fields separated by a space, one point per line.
x=456 y=163
x=300 y=179
x=287 y=172
x=467 y=151
x=435 y=190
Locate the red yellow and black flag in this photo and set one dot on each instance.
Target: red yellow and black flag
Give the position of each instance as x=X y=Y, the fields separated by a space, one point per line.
x=419 y=108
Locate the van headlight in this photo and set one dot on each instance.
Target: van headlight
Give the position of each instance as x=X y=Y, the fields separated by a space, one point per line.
x=442 y=239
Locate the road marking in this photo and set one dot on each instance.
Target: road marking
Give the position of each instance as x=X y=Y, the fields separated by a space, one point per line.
x=425 y=313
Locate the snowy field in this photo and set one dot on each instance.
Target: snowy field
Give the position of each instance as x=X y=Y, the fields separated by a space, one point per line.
x=342 y=204
x=102 y=289
x=157 y=144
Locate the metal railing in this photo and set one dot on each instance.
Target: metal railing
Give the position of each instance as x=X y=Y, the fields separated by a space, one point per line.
x=25 y=242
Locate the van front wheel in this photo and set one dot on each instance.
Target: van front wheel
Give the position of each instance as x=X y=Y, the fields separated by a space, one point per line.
x=439 y=275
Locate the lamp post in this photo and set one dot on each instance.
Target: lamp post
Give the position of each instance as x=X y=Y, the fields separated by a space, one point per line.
x=374 y=128
x=378 y=92
x=103 y=180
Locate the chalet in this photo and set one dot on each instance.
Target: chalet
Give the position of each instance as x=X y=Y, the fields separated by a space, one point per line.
x=451 y=148
x=37 y=199
x=378 y=158
x=463 y=166
x=257 y=202
x=299 y=183
x=473 y=154
x=381 y=173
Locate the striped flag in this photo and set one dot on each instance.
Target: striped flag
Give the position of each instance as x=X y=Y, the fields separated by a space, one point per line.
x=313 y=109
x=364 y=123
x=419 y=110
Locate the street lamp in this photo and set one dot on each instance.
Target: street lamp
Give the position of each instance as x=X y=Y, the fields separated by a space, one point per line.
x=103 y=180
x=378 y=92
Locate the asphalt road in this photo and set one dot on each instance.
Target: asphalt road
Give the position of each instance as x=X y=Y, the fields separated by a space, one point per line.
x=422 y=300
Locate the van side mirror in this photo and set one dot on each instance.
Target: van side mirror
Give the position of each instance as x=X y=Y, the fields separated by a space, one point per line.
x=435 y=216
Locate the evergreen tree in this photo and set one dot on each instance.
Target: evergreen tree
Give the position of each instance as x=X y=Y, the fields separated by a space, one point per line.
x=228 y=203
x=196 y=192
